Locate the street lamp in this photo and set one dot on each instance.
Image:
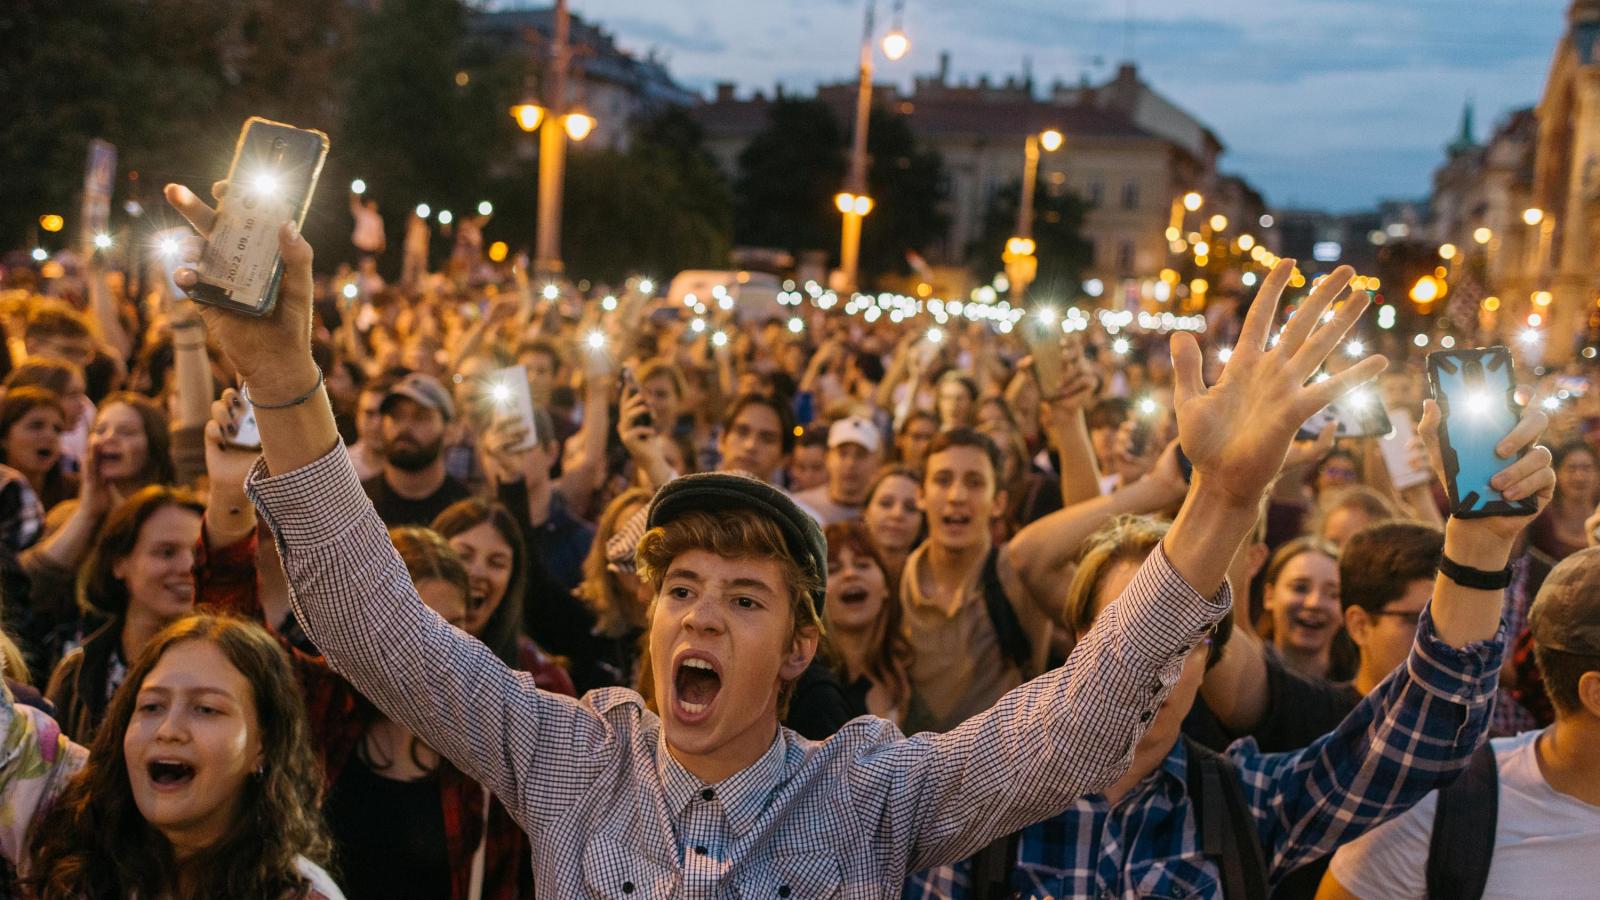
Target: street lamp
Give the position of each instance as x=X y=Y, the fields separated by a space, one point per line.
x=528 y=116
x=1192 y=201
x=1020 y=273
x=578 y=124
x=855 y=185
x=1533 y=215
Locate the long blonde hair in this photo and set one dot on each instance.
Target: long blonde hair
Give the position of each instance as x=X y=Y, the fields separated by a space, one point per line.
x=601 y=590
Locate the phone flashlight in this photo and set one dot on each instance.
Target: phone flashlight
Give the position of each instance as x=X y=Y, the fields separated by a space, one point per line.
x=424 y=210
x=167 y=247
x=1551 y=403
x=265 y=184
x=1479 y=403
x=500 y=394
x=485 y=208
x=719 y=339
x=797 y=325
x=102 y=240
x=350 y=291
x=1120 y=346
x=609 y=304
x=596 y=340
x=698 y=326
x=646 y=286
x=358 y=187
x=1148 y=407
x=551 y=292
x=935 y=335
x=1047 y=315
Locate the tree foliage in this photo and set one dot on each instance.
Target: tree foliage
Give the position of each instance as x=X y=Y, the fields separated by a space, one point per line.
x=1062 y=250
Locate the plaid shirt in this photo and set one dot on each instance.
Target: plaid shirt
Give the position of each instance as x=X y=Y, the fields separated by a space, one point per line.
x=225 y=580
x=1414 y=732
x=611 y=813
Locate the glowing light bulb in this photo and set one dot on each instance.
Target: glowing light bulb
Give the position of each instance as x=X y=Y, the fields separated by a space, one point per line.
x=350 y=291
x=485 y=208
x=358 y=187
x=1355 y=348
x=1120 y=346
x=719 y=339
x=596 y=340
x=102 y=240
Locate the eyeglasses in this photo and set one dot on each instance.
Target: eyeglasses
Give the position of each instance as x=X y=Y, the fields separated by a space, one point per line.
x=1409 y=617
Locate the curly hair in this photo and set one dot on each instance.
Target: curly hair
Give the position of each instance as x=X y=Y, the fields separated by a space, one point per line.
x=95 y=843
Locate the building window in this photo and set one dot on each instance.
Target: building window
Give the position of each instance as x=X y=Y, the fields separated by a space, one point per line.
x=1130 y=195
x=1125 y=257
x=1097 y=192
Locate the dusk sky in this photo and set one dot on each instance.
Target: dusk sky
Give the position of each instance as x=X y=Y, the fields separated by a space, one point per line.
x=1321 y=103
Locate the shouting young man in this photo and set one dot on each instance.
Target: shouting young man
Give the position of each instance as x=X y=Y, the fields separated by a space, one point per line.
x=713 y=797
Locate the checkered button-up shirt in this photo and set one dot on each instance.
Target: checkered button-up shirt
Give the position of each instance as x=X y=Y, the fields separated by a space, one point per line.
x=611 y=814
x=1413 y=733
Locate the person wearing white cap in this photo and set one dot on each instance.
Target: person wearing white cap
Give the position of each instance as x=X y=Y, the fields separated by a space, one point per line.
x=855 y=450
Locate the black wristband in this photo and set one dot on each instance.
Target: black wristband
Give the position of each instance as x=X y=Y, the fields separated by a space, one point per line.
x=1477 y=579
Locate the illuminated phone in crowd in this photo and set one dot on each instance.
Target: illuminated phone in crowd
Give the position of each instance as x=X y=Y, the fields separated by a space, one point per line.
x=512 y=400
x=248 y=434
x=1475 y=390
x=270 y=182
x=1044 y=342
x=630 y=383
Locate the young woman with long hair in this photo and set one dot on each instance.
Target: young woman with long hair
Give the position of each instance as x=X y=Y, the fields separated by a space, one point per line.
x=862 y=615
x=201 y=783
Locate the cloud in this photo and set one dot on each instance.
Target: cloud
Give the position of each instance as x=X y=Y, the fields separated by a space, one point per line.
x=702 y=40
x=1335 y=102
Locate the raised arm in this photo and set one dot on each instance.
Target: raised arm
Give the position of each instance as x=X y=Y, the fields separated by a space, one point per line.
x=536 y=751
x=1073 y=730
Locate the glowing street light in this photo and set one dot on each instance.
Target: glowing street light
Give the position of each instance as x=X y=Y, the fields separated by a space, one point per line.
x=51 y=222
x=1051 y=140
x=528 y=116
x=1192 y=201
x=1533 y=215
x=578 y=124
x=896 y=45
x=856 y=204
x=1448 y=251
x=1483 y=235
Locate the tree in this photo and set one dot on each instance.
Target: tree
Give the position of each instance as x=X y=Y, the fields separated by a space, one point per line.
x=1060 y=246
x=792 y=168
x=908 y=186
x=659 y=208
x=788 y=175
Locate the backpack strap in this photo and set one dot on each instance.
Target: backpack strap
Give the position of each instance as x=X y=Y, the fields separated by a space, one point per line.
x=1014 y=643
x=1464 y=821
x=992 y=868
x=1227 y=830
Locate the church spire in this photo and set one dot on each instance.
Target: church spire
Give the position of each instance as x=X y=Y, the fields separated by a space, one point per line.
x=1467 y=139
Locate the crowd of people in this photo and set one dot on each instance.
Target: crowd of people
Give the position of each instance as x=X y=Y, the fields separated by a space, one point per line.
x=1146 y=636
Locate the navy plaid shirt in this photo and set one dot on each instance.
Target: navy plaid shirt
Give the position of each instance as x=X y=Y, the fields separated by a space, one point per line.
x=1412 y=733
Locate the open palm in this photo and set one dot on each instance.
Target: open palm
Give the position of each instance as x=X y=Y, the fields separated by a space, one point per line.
x=1238 y=431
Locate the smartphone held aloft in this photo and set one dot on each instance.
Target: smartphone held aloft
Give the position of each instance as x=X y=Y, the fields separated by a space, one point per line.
x=270 y=182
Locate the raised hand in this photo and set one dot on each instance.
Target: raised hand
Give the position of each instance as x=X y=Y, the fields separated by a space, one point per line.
x=1238 y=431
x=272 y=352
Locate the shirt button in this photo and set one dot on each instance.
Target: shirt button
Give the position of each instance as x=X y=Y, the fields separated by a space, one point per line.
x=627 y=887
x=707 y=794
x=1144 y=716
x=783 y=891
x=700 y=850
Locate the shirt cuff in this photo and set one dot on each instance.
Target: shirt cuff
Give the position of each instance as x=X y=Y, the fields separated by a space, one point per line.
x=312 y=505
x=1163 y=614
x=1467 y=676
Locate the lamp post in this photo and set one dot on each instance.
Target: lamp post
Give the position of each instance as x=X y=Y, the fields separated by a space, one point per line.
x=854 y=202
x=1021 y=265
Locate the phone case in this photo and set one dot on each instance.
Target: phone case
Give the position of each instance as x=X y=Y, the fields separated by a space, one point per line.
x=241 y=268
x=248 y=437
x=1044 y=342
x=517 y=404
x=1475 y=392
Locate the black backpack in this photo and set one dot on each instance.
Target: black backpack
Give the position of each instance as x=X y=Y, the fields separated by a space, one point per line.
x=1464 y=823
x=1014 y=643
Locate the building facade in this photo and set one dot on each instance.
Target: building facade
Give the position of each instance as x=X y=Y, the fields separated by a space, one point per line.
x=1128 y=151
x=1525 y=205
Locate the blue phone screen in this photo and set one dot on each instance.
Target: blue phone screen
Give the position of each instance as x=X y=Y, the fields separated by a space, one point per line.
x=1474 y=390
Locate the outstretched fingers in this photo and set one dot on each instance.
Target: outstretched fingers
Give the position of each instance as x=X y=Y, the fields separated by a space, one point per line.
x=1314 y=353
x=1309 y=315
x=1264 y=309
x=1316 y=396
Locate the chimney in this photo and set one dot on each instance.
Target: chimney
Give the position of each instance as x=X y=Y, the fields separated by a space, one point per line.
x=725 y=92
x=944 y=66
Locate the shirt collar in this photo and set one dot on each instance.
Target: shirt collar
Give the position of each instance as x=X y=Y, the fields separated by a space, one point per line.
x=743 y=795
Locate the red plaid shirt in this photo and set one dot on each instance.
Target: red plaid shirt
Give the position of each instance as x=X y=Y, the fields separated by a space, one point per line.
x=225 y=581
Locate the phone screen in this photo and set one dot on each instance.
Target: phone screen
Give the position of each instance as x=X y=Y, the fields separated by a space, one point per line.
x=1474 y=390
x=274 y=172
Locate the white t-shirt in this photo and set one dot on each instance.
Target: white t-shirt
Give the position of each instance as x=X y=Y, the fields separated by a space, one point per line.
x=1545 y=844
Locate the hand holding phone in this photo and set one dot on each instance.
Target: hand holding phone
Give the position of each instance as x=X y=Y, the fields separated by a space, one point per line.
x=513 y=402
x=1475 y=390
x=630 y=385
x=274 y=172
x=247 y=433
